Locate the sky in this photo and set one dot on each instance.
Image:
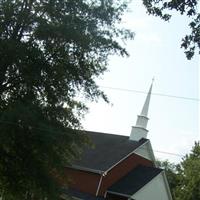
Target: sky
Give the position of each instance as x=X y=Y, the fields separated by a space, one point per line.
x=154 y=52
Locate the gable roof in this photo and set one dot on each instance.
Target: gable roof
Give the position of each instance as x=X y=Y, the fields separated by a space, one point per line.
x=108 y=150
x=134 y=180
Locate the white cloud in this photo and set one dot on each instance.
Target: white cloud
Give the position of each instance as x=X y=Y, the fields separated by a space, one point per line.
x=138 y=23
x=142 y=29
x=152 y=38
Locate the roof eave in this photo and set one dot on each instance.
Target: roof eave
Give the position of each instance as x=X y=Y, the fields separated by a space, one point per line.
x=120 y=194
x=86 y=169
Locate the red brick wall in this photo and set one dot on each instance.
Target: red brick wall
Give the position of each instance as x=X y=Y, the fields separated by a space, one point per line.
x=121 y=170
x=88 y=182
x=83 y=181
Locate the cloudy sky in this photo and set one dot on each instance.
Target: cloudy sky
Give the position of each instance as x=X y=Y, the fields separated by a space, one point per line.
x=155 y=52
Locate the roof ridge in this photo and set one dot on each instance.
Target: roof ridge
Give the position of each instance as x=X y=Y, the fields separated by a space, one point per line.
x=87 y=131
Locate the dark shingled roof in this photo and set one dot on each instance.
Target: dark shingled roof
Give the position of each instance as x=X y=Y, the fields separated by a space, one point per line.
x=80 y=195
x=134 y=180
x=108 y=150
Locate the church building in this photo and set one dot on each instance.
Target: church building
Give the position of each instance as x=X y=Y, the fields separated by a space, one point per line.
x=119 y=167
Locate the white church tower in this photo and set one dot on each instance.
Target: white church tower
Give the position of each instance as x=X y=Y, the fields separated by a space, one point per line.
x=139 y=131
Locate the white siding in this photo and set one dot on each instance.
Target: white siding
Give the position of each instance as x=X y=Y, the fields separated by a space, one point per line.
x=144 y=151
x=154 y=190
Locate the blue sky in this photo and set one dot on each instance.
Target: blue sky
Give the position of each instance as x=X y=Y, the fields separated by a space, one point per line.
x=155 y=52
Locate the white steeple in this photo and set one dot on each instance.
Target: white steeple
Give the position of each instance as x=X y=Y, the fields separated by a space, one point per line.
x=139 y=131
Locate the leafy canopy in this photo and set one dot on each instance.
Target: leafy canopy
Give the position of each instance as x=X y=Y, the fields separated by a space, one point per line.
x=188 y=187
x=50 y=52
x=184 y=178
x=162 y=8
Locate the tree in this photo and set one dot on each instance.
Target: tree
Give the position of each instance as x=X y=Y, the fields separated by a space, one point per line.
x=188 y=187
x=50 y=53
x=162 y=9
x=184 y=178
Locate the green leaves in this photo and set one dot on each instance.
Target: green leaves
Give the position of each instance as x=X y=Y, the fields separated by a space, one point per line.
x=184 y=178
x=163 y=9
x=189 y=177
x=50 y=54
x=33 y=146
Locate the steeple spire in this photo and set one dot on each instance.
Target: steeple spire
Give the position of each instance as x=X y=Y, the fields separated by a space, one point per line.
x=139 y=131
x=145 y=108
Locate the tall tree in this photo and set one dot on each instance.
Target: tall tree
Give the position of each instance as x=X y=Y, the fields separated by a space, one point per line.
x=184 y=178
x=50 y=52
x=190 y=8
x=188 y=187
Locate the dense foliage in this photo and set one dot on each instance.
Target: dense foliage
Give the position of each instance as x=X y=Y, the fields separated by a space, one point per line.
x=184 y=7
x=50 y=52
x=188 y=187
x=184 y=178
